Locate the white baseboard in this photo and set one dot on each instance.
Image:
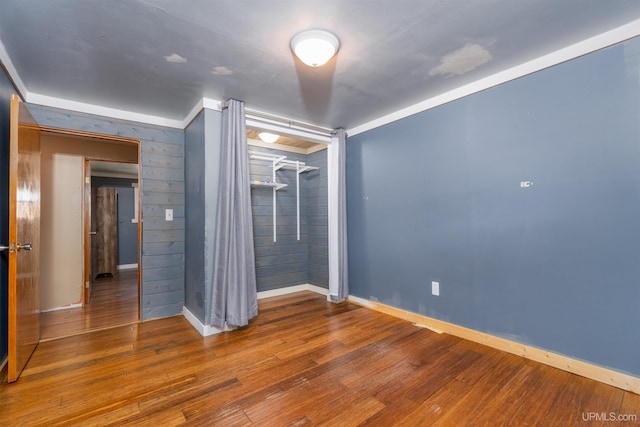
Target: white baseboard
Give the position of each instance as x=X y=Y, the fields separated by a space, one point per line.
x=127 y=266
x=293 y=289
x=64 y=307
x=206 y=330
x=585 y=369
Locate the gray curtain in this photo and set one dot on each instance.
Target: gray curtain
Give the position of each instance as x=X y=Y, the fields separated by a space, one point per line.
x=234 y=297
x=338 y=253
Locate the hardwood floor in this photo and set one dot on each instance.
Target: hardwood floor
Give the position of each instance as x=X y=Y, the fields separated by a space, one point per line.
x=114 y=302
x=302 y=361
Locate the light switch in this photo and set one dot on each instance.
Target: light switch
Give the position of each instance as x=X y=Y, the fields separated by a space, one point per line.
x=435 y=288
x=168 y=215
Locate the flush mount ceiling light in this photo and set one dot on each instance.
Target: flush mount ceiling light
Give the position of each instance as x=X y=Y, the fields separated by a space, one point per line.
x=268 y=137
x=315 y=47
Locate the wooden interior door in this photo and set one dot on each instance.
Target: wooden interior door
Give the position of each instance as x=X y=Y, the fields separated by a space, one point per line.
x=106 y=238
x=24 y=238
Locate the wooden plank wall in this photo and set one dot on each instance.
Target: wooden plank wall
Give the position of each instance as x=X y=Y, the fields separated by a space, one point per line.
x=318 y=222
x=284 y=263
x=162 y=186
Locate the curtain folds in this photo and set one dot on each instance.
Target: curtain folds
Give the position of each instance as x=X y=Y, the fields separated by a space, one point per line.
x=338 y=255
x=234 y=296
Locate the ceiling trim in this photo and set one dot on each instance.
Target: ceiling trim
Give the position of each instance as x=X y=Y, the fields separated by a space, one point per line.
x=584 y=47
x=11 y=71
x=208 y=103
x=67 y=104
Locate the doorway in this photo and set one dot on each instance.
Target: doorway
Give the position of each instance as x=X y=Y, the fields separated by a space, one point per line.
x=68 y=306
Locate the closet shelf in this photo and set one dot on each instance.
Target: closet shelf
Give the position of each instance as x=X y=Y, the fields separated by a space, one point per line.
x=296 y=166
x=276 y=185
x=281 y=163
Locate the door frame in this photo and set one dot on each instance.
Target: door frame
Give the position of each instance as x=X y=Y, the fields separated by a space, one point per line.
x=97 y=137
x=86 y=289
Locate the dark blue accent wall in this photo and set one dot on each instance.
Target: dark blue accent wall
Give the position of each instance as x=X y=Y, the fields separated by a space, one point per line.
x=6 y=89
x=317 y=217
x=213 y=146
x=194 y=174
x=162 y=187
x=437 y=196
x=202 y=170
x=127 y=230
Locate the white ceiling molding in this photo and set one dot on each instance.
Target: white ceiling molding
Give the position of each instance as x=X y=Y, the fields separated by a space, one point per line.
x=81 y=107
x=11 y=70
x=67 y=104
x=208 y=103
x=584 y=47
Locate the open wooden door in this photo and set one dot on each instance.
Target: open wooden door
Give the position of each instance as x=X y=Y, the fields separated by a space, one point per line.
x=24 y=238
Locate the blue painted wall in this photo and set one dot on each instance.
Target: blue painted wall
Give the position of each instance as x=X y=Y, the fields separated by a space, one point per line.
x=127 y=230
x=6 y=89
x=212 y=144
x=202 y=166
x=437 y=196
x=194 y=174
x=162 y=186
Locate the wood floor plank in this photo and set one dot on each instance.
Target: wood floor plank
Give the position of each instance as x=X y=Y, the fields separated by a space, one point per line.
x=303 y=361
x=114 y=302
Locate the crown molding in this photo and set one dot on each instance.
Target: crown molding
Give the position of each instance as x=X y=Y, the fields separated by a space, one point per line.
x=12 y=73
x=208 y=103
x=81 y=107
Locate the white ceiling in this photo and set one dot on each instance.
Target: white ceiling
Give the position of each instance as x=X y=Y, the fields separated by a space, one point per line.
x=161 y=57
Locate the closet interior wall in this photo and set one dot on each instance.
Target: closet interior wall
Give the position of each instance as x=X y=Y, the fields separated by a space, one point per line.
x=289 y=261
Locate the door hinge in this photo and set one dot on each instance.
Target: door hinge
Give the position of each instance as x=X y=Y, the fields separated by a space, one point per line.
x=87 y=180
x=86 y=284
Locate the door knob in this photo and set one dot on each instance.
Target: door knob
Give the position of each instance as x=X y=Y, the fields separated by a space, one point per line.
x=3 y=248
x=26 y=247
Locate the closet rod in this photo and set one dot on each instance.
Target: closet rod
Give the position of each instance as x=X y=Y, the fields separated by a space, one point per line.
x=283 y=121
x=258 y=115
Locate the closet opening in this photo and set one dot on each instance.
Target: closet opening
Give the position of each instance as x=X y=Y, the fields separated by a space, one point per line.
x=289 y=199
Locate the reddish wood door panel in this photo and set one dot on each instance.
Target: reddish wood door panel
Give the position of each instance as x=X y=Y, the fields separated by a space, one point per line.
x=24 y=238
x=106 y=239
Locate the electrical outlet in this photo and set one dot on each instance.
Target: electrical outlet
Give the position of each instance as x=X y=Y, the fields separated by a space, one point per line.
x=435 y=288
x=168 y=215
